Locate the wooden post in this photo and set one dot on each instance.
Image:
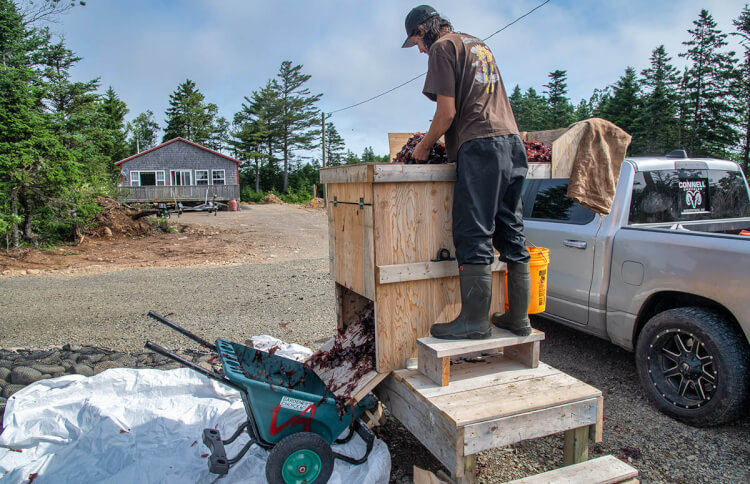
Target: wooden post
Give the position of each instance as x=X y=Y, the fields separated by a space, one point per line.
x=325 y=187
x=576 y=447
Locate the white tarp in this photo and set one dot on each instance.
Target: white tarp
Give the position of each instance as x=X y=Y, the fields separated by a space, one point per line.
x=145 y=426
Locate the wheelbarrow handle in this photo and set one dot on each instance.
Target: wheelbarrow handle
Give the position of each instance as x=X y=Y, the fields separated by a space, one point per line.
x=175 y=357
x=182 y=330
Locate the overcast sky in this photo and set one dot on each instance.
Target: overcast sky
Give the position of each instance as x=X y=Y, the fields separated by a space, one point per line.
x=229 y=48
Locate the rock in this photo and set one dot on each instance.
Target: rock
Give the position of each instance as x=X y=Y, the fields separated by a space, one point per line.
x=84 y=370
x=24 y=375
x=124 y=360
x=70 y=347
x=67 y=364
x=10 y=390
x=91 y=359
x=105 y=365
x=107 y=232
x=4 y=374
x=206 y=365
x=50 y=369
x=32 y=272
x=53 y=360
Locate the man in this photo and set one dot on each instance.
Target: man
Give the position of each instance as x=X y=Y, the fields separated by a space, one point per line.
x=481 y=136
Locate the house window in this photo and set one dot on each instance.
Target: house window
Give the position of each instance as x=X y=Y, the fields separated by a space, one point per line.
x=146 y=178
x=217 y=177
x=180 y=177
x=201 y=177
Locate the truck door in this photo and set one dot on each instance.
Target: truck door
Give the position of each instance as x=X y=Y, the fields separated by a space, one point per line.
x=569 y=231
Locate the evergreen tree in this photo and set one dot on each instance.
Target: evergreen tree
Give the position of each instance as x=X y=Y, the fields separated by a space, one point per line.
x=143 y=132
x=533 y=112
x=297 y=114
x=742 y=24
x=657 y=122
x=219 y=138
x=560 y=110
x=515 y=99
x=114 y=142
x=583 y=111
x=622 y=107
x=350 y=158
x=248 y=143
x=368 y=155
x=334 y=146
x=710 y=117
x=188 y=116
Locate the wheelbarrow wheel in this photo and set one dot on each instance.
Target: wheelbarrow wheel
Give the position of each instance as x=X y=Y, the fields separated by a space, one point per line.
x=301 y=458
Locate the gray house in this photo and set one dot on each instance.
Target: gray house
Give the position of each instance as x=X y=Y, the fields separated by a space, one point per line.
x=179 y=170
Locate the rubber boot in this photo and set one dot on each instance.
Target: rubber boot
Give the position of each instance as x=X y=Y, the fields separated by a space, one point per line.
x=516 y=319
x=476 y=295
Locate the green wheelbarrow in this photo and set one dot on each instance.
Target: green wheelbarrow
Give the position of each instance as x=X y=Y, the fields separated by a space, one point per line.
x=289 y=412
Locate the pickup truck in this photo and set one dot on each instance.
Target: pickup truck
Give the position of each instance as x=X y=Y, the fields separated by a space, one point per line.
x=666 y=274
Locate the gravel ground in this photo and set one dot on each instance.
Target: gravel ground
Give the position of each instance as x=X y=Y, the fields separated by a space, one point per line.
x=294 y=301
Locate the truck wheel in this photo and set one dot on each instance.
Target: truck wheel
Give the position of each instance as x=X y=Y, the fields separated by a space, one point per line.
x=301 y=458
x=693 y=365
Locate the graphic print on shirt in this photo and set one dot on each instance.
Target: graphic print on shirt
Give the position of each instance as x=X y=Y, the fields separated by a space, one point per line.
x=486 y=68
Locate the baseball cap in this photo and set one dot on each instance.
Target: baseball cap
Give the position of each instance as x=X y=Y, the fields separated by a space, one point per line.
x=414 y=19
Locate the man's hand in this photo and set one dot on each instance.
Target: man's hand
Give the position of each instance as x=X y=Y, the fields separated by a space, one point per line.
x=421 y=152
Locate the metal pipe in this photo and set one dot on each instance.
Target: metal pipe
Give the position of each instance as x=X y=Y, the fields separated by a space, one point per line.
x=182 y=330
x=210 y=374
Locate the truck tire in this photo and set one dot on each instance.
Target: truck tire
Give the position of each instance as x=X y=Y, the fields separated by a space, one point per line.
x=693 y=365
x=301 y=458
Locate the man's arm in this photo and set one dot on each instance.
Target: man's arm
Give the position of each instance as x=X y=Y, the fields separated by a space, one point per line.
x=444 y=114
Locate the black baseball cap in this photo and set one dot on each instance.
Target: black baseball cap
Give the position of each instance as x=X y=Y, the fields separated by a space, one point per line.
x=414 y=19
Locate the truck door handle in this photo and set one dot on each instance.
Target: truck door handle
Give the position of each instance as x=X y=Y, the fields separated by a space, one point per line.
x=576 y=244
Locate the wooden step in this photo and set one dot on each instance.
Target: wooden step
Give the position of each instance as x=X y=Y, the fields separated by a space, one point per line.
x=434 y=354
x=602 y=470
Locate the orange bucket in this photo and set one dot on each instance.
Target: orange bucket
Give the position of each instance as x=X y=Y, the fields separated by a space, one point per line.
x=538 y=271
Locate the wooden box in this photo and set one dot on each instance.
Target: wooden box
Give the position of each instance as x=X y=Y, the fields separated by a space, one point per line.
x=386 y=224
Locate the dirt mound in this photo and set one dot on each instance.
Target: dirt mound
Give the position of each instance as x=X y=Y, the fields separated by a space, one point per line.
x=315 y=203
x=271 y=198
x=114 y=219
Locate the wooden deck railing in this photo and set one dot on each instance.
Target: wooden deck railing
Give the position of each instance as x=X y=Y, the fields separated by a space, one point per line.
x=183 y=193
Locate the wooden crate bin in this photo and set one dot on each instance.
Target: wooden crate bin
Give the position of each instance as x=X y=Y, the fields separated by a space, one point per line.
x=386 y=224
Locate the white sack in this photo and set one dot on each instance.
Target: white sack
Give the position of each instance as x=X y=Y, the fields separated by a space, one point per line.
x=144 y=426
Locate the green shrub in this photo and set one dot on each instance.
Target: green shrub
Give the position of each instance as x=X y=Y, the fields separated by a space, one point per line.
x=297 y=197
x=247 y=194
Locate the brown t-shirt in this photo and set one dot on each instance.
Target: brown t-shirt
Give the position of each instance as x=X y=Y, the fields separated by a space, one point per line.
x=463 y=67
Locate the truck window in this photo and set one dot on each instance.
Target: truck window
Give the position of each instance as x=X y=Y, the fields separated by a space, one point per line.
x=551 y=203
x=686 y=195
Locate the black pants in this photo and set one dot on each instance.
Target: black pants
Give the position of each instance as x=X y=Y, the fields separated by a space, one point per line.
x=487 y=206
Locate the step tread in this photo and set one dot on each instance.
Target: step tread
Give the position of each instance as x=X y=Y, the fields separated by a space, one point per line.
x=500 y=338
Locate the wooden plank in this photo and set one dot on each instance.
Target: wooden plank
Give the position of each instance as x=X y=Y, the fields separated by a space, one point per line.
x=436 y=369
x=527 y=353
x=498 y=370
x=504 y=400
x=469 y=475
x=576 y=446
x=399 y=173
x=361 y=173
x=539 y=170
x=331 y=243
x=596 y=432
x=424 y=270
x=422 y=420
x=602 y=470
x=350 y=192
x=546 y=137
x=367 y=384
x=368 y=253
x=353 y=258
x=505 y=431
x=500 y=338
x=564 y=150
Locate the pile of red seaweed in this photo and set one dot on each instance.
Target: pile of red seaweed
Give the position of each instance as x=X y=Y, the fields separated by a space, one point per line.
x=437 y=152
x=343 y=361
x=537 y=152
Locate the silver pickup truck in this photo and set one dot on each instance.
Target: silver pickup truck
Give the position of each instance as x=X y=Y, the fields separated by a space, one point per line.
x=666 y=274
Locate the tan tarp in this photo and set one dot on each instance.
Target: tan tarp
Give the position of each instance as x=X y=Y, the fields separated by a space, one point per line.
x=596 y=167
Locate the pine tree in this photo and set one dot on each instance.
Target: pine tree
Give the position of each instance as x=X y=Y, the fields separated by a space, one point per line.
x=583 y=111
x=114 y=142
x=742 y=24
x=533 y=112
x=188 y=116
x=298 y=116
x=622 y=107
x=334 y=146
x=143 y=132
x=516 y=99
x=368 y=155
x=560 y=110
x=709 y=116
x=657 y=130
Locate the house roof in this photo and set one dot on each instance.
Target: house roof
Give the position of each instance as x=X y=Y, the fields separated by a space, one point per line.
x=172 y=141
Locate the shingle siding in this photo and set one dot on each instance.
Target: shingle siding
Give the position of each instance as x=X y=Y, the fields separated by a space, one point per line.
x=181 y=156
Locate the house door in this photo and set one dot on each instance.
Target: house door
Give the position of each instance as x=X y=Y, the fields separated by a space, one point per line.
x=181 y=177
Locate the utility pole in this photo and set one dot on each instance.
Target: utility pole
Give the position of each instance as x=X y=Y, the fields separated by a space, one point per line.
x=325 y=187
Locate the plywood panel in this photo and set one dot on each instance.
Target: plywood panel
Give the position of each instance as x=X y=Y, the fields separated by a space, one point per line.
x=396 y=142
x=350 y=192
x=402 y=315
x=347 y=174
x=353 y=258
x=564 y=151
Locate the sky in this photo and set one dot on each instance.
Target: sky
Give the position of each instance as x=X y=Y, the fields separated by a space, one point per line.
x=145 y=48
